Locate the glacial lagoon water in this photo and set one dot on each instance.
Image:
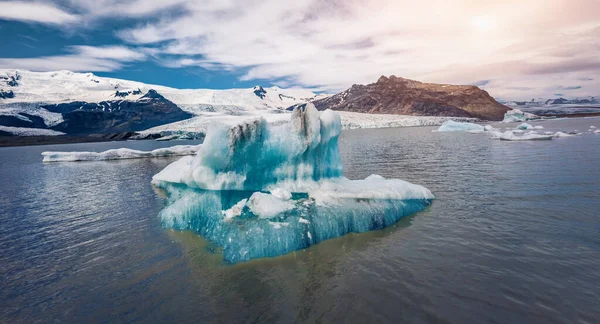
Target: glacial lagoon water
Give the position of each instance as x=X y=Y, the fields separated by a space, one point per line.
x=512 y=237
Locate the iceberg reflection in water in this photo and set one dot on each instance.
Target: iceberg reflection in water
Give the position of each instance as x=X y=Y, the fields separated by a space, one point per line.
x=260 y=190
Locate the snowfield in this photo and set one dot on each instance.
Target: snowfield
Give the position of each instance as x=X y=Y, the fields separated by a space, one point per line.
x=66 y=86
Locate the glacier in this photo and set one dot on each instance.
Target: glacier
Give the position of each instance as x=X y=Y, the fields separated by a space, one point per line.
x=257 y=189
x=25 y=131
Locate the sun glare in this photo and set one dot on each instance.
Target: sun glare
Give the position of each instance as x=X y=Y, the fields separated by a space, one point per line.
x=483 y=23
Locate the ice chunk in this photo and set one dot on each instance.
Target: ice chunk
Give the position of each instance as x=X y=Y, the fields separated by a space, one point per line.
x=119 y=154
x=525 y=126
x=261 y=190
x=516 y=115
x=452 y=126
x=281 y=194
x=597 y=131
x=267 y=206
x=531 y=136
x=235 y=210
x=570 y=134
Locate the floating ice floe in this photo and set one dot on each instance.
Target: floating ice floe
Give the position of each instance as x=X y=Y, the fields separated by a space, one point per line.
x=119 y=154
x=452 y=126
x=261 y=190
x=527 y=126
x=530 y=136
x=570 y=134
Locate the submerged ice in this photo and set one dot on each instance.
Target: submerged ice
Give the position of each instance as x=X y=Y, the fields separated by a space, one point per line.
x=259 y=190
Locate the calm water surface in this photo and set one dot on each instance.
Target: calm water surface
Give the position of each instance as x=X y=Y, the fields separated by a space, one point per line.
x=513 y=237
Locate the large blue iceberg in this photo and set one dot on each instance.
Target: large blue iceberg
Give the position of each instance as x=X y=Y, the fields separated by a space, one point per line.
x=260 y=190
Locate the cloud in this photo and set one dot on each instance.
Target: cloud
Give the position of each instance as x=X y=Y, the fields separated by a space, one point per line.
x=565 y=88
x=333 y=44
x=131 y=8
x=507 y=47
x=35 y=12
x=82 y=59
x=120 y=53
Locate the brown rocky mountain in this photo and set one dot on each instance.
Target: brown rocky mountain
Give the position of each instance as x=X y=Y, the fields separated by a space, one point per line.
x=401 y=96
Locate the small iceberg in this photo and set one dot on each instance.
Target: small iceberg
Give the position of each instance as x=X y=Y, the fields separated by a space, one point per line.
x=516 y=115
x=261 y=190
x=570 y=134
x=452 y=126
x=119 y=154
x=531 y=136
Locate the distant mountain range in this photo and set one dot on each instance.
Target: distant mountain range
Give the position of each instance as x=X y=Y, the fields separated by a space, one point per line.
x=539 y=102
x=83 y=103
x=395 y=95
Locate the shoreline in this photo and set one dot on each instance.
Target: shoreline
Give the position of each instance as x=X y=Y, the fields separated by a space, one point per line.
x=14 y=141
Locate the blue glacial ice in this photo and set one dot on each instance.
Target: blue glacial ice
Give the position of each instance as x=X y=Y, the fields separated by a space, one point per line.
x=452 y=126
x=261 y=190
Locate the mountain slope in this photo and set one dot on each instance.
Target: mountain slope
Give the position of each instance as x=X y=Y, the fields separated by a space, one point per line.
x=396 y=95
x=150 y=110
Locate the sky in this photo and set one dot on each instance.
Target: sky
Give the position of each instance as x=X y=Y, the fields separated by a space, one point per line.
x=516 y=50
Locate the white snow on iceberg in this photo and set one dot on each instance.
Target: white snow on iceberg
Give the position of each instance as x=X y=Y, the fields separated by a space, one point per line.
x=261 y=190
x=119 y=154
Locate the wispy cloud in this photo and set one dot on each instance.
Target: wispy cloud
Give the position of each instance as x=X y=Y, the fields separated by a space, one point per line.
x=35 y=12
x=335 y=44
x=82 y=58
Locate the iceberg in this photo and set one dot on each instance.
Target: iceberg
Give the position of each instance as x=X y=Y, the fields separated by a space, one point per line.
x=119 y=154
x=530 y=136
x=452 y=126
x=569 y=134
x=525 y=126
x=257 y=190
x=516 y=115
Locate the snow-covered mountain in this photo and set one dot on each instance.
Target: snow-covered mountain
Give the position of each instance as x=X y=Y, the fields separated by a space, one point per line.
x=539 y=102
x=65 y=86
x=32 y=99
x=576 y=106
